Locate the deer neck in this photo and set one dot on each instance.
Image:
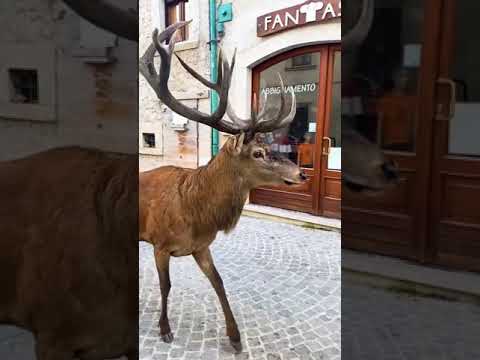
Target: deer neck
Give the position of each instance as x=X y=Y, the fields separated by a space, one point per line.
x=217 y=193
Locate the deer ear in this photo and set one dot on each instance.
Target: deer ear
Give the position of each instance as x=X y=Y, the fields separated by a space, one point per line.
x=238 y=143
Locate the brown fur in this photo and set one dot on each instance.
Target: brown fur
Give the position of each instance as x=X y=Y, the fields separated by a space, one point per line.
x=200 y=202
x=180 y=208
x=68 y=259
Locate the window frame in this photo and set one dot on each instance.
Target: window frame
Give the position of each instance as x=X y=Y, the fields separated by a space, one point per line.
x=175 y=13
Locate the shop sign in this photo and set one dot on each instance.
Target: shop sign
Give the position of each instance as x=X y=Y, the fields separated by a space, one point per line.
x=310 y=12
x=299 y=88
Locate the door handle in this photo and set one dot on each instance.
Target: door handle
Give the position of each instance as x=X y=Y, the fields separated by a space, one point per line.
x=453 y=98
x=327 y=150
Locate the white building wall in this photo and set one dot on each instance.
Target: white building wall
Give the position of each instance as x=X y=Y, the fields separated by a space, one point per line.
x=241 y=34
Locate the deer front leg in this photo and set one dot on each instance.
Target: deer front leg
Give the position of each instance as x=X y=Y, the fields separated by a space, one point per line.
x=205 y=262
x=162 y=260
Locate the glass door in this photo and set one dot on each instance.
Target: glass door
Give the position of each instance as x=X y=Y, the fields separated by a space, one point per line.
x=329 y=199
x=388 y=98
x=305 y=72
x=455 y=205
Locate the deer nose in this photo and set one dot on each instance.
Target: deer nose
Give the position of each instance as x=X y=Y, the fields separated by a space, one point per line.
x=303 y=176
x=390 y=170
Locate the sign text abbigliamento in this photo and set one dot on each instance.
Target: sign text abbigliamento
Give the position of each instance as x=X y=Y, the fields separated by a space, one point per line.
x=299 y=88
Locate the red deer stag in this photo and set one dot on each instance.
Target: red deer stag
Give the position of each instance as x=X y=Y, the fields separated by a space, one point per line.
x=182 y=210
x=69 y=248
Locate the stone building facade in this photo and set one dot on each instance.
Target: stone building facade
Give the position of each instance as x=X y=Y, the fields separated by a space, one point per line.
x=302 y=52
x=52 y=62
x=177 y=141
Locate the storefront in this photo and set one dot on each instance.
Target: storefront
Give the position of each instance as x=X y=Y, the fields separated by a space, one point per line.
x=301 y=43
x=423 y=109
x=298 y=39
x=314 y=139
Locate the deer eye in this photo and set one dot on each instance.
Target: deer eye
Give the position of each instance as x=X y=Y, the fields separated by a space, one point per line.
x=258 y=154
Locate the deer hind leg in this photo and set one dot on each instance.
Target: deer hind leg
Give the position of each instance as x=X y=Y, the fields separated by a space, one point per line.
x=162 y=260
x=205 y=262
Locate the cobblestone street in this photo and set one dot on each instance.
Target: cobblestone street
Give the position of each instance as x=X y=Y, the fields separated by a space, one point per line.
x=397 y=324
x=283 y=282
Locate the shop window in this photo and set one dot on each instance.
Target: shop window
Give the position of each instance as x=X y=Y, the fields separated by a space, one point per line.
x=149 y=140
x=302 y=60
x=23 y=86
x=464 y=127
x=386 y=78
x=298 y=141
x=174 y=14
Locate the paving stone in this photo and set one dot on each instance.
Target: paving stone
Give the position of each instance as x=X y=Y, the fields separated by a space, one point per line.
x=273 y=274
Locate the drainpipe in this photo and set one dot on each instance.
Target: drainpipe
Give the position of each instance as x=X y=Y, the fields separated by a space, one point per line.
x=213 y=70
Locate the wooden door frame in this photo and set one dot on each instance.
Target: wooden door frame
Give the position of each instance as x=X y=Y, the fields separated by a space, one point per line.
x=425 y=127
x=323 y=170
x=445 y=164
x=323 y=50
x=443 y=47
x=418 y=162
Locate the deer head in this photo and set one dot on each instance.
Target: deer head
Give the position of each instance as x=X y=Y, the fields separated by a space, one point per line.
x=364 y=166
x=258 y=164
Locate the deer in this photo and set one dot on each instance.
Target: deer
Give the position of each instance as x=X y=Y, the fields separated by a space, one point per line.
x=182 y=210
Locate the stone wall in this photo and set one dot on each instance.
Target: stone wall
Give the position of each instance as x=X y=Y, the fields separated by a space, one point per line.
x=46 y=36
x=190 y=147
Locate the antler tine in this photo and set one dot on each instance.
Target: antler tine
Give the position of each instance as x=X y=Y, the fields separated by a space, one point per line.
x=257 y=122
x=360 y=31
x=277 y=121
x=159 y=81
x=254 y=111
x=223 y=67
x=242 y=124
x=146 y=63
x=147 y=67
x=263 y=107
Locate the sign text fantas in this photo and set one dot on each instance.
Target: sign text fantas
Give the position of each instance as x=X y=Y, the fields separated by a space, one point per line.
x=312 y=11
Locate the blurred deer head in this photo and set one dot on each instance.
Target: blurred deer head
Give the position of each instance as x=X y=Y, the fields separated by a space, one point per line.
x=364 y=166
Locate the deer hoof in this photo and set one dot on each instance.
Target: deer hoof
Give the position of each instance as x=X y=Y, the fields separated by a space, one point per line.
x=237 y=345
x=167 y=338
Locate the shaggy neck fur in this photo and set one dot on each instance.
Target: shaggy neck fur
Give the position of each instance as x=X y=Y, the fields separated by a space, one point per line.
x=216 y=193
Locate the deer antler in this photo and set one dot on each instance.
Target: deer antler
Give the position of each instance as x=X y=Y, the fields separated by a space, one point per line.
x=101 y=13
x=159 y=81
x=262 y=121
x=360 y=31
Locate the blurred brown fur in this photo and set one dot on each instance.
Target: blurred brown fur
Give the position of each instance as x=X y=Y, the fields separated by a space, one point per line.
x=69 y=252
